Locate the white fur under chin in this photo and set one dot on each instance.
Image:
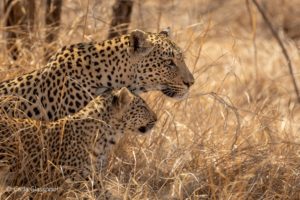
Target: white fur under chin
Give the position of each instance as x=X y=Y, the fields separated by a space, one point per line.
x=181 y=98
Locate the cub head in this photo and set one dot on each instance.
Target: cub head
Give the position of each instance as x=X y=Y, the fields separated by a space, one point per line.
x=131 y=112
x=159 y=64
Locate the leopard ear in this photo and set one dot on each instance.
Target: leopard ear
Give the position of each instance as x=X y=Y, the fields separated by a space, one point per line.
x=166 y=32
x=122 y=98
x=139 y=44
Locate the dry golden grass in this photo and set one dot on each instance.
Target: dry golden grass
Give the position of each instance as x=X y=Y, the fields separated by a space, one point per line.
x=237 y=134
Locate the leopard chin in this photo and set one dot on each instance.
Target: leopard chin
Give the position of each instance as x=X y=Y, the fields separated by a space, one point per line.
x=175 y=93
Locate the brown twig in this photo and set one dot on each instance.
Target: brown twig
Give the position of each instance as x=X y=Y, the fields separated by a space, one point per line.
x=19 y=18
x=52 y=21
x=85 y=19
x=253 y=26
x=284 y=51
x=122 y=10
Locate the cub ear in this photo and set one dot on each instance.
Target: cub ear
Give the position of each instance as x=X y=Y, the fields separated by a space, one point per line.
x=166 y=32
x=138 y=44
x=122 y=98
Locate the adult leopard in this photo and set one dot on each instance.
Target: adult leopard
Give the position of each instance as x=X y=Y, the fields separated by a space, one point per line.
x=141 y=61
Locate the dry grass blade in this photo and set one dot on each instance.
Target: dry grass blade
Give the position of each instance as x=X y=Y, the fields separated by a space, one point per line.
x=284 y=51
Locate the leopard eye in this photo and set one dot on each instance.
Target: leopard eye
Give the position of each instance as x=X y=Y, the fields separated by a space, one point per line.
x=171 y=63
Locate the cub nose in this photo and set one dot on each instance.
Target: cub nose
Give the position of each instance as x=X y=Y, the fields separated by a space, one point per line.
x=143 y=129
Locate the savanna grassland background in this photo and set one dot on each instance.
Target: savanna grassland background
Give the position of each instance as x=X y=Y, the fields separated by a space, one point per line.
x=237 y=134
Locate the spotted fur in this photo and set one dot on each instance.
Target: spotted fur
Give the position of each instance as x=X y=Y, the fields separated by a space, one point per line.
x=75 y=146
x=78 y=73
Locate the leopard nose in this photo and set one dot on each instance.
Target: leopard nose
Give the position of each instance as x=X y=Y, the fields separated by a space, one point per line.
x=188 y=83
